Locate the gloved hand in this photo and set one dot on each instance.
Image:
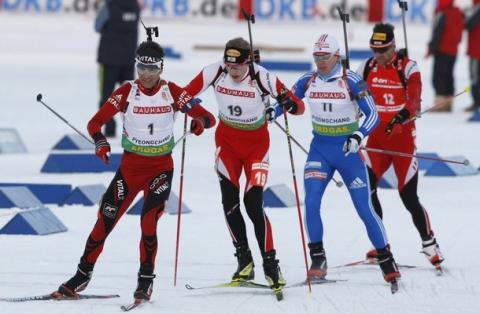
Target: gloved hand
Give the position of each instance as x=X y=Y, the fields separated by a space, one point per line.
x=270 y=114
x=286 y=101
x=353 y=142
x=197 y=126
x=102 y=148
x=399 y=118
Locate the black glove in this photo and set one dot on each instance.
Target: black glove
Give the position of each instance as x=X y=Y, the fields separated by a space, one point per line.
x=352 y=143
x=287 y=102
x=102 y=148
x=399 y=118
x=270 y=114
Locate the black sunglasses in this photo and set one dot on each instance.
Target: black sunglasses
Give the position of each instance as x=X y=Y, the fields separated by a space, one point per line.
x=381 y=50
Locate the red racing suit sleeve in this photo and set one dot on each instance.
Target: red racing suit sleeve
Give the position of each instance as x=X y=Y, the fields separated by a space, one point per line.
x=413 y=87
x=183 y=102
x=114 y=104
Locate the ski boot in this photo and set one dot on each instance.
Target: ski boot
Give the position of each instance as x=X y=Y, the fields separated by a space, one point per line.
x=432 y=251
x=78 y=282
x=273 y=274
x=144 y=286
x=245 y=263
x=318 y=269
x=389 y=267
x=387 y=264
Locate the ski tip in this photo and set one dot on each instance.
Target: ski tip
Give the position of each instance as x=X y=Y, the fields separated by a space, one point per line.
x=189 y=287
x=279 y=294
x=439 y=270
x=394 y=286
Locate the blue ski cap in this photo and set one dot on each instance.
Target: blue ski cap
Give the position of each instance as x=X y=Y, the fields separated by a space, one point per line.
x=326 y=44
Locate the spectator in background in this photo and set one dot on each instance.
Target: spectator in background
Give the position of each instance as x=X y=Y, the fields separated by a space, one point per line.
x=446 y=35
x=117 y=23
x=472 y=24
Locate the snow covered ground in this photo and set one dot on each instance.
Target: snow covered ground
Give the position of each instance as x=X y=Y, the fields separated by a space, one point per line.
x=55 y=55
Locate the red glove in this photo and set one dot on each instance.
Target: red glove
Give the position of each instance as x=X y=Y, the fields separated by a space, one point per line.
x=102 y=148
x=197 y=126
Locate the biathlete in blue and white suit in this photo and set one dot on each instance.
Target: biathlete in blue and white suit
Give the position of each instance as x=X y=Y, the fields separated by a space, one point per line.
x=337 y=135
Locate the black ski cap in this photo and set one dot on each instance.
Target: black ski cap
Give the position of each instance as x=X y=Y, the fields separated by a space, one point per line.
x=382 y=35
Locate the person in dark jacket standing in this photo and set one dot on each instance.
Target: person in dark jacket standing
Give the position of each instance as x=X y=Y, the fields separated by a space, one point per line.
x=446 y=36
x=472 y=24
x=117 y=23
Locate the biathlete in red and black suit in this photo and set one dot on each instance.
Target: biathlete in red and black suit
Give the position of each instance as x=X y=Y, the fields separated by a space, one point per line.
x=242 y=140
x=395 y=83
x=149 y=106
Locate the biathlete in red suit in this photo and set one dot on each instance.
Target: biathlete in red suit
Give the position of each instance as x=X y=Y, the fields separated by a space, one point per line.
x=149 y=106
x=242 y=141
x=395 y=83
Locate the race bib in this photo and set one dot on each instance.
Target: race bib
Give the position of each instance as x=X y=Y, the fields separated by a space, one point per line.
x=259 y=173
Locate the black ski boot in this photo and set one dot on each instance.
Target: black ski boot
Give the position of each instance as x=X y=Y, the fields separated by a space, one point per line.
x=273 y=274
x=78 y=282
x=387 y=264
x=318 y=269
x=245 y=263
x=145 y=284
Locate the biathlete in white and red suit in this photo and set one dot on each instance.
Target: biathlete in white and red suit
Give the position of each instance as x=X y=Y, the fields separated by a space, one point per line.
x=149 y=106
x=395 y=83
x=242 y=141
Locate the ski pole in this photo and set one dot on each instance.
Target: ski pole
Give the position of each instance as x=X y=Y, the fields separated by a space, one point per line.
x=294 y=177
x=39 y=99
x=345 y=17
x=439 y=105
x=185 y=134
x=404 y=6
x=180 y=194
x=337 y=183
x=466 y=162
x=250 y=20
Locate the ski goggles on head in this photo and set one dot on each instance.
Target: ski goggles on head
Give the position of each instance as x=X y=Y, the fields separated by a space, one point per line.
x=318 y=57
x=151 y=68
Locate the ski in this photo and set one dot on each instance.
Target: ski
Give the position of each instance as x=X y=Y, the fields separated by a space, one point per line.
x=317 y=281
x=439 y=270
x=278 y=293
x=369 y=262
x=133 y=305
x=394 y=286
x=242 y=284
x=58 y=297
x=231 y=284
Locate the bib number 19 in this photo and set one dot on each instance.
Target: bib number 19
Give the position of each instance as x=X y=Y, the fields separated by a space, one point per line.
x=259 y=173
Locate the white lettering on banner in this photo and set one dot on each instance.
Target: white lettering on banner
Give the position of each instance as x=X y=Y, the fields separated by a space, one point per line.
x=419 y=11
